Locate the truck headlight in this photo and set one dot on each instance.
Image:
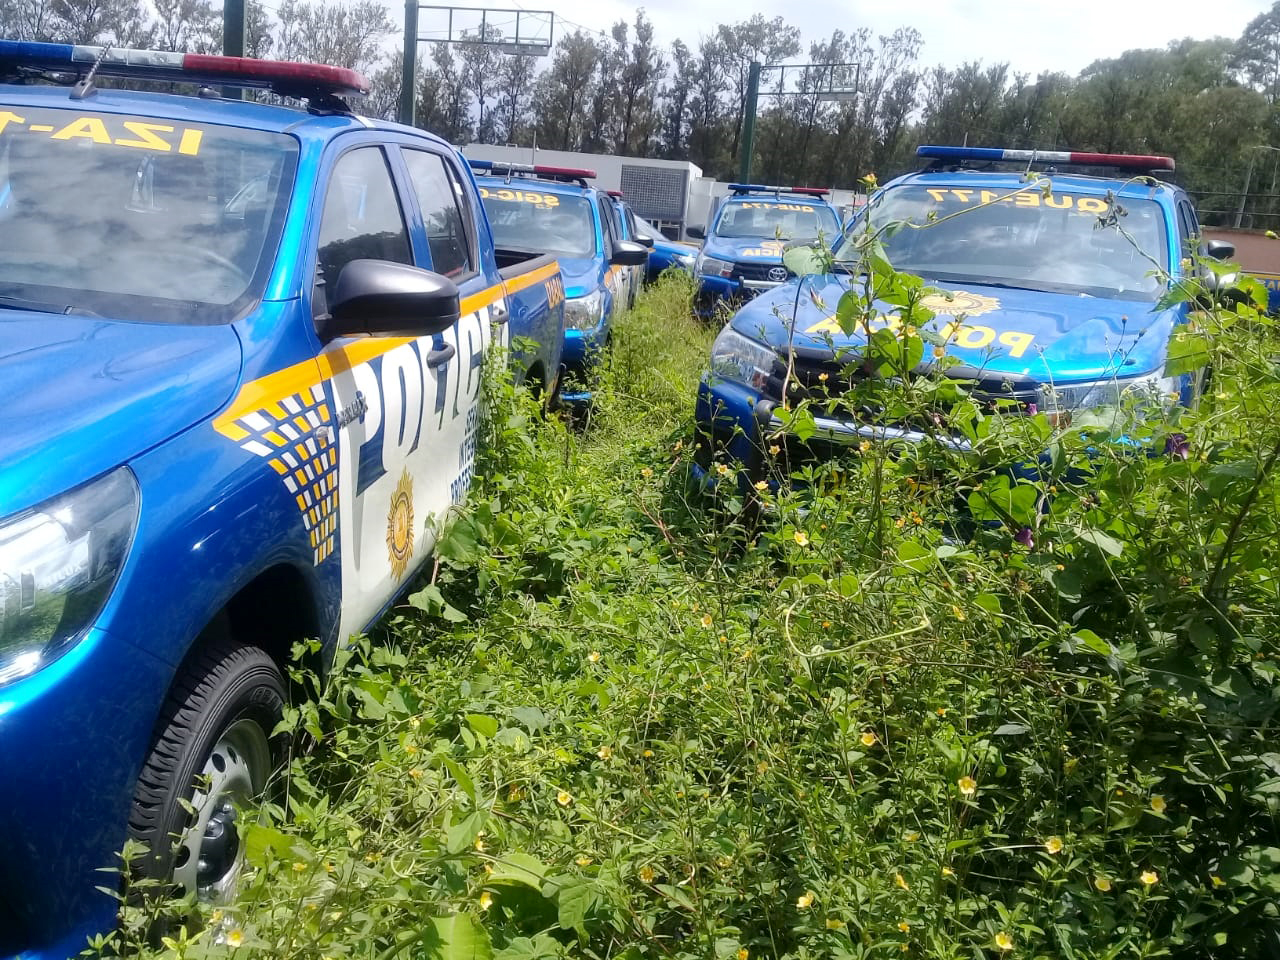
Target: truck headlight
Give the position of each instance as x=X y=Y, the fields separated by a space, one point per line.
x=741 y=359
x=711 y=267
x=583 y=313
x=685 y=260
x=58 y=563
x=1107 y=403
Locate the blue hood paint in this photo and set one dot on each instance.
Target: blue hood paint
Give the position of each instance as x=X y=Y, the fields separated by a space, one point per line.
x=84 y=395
x=1049 y=336
x=581 y=276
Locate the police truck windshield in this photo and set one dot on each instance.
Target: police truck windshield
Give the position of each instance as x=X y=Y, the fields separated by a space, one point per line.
x=530 y=221
x=158 y=220
x=777 y=219
x=1051 y=241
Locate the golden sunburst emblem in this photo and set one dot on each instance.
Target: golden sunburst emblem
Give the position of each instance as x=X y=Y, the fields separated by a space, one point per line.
x=400 y=526
x=961 y=301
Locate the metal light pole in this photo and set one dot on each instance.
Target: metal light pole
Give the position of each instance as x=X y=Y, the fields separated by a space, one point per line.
x=409 y=66
x=749 y=122
x=1248 y=177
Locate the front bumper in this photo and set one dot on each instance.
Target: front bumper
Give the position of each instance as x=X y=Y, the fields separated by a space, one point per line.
x=72 y=738
x=582 y=348
x=714 y=290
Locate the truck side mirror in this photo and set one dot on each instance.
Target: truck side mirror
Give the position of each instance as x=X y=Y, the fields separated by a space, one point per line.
x=1220 y=249
x=698 y=233
x=628 y=254
x=644 y=240
x=382 y=298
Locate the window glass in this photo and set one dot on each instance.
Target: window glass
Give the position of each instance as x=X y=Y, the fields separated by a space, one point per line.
x=161 y=221
x=440 y=198
x=1052 y=242
x=528 y=221
x=362 y=218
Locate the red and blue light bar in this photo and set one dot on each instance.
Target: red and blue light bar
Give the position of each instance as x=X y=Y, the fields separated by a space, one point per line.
x=741 y=188
x=1124 y=161
x=279 y=76
x=500 y=168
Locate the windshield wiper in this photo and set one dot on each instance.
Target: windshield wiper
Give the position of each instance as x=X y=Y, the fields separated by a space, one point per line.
x=41 y=306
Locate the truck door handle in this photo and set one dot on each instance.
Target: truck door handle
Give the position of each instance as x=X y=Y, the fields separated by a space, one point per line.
x=499 y=315
x=437 y=357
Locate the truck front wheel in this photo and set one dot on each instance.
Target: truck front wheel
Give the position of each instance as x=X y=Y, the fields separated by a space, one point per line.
x=212 y=756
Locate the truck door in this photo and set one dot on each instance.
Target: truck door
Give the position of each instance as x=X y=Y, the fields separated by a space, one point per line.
x=392 y=476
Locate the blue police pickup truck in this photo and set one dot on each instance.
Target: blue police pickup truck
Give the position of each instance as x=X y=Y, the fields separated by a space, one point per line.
x=535 y=210
x=742 y=250
x=240 y=356
x=1046 y=303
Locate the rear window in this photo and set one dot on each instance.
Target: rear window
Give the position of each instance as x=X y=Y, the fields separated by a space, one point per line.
x=530 y=221
x=141 y=218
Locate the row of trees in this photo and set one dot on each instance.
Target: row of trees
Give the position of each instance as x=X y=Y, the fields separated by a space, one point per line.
x=1211 y=103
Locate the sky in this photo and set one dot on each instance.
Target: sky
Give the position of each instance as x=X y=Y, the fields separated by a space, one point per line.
x=1033 y=37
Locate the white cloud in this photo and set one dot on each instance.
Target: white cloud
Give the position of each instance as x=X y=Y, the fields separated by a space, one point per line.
x=1032 y=37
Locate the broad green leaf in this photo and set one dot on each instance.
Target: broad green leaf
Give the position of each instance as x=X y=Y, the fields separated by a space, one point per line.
x=1188 y=352
x=1107 y=544
x=461 y=776
x=463 y=834
x=572 y=902
x=803 y=261
x=456 y=938
x=484 y=725
x=915 y=556
x=1091 y=641
x=259 y=840
x=519 y=868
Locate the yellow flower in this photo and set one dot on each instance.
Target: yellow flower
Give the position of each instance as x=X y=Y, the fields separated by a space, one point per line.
x=480 y=844
x=835 y=923
x=957 y=612
x=678 y=447
x=762 y=767
x=1053 y=845
x=743 y=953
x=414 y=723
x=583 y=861
x=1103 y=884
x=912 y=837
x=299 y=867
x=1217 y=880
x=864 y=446
x=646 y=473
x=805 y=900
x=868 y=739
x=1158 y=804
x=722 y=468
x=594 y=656
x=941 y=711
x=904 y=927
x=235 y=937
x=802 y=538
x=948 y=872
x=939 y=352
x=415 y=773
x=968 y=786
x=564 y=798
x=762 y=485
x=823 y=377
x=1149 y=877
x=646 y=874
x=707 y=621
x=1004 y=941
x=486 y=900
x=604 y=753
x=826 y=624
x=902 y=884
x=775 y=449
x=411 y=749
x=722 y=861
x=647 y=754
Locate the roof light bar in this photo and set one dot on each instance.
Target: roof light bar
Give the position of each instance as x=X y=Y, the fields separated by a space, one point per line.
x=1124 y=161
x=501 y=168
x=279 y=76
x=741 y=188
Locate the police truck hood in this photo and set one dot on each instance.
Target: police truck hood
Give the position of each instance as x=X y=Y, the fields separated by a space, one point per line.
x=1052 y=337
x=581 y=275
x=745 y=249
x=85 y=394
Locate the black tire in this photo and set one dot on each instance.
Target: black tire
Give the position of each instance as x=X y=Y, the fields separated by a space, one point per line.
x=227 y=696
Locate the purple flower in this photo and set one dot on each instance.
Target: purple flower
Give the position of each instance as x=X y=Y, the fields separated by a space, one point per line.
x=1025 y=538
x=1176 y=446
x=1032 y=409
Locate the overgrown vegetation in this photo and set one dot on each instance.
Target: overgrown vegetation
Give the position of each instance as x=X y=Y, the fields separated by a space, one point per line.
x=618 y=723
